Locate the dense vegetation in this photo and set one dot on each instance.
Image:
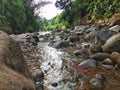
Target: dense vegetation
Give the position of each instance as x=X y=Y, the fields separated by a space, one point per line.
x=17 y=16
x=78 y=11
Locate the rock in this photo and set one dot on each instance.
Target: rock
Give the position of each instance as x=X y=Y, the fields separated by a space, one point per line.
x=39 y=76
x=96 y=48
x=81 y=54
x=57 y=38
x=103 y=35
x=115 y=28
x=85 y=45
x=107 y=61
x=100 y=56
x=54 y=84
x=100 y=76
x=115 y=19
x=77 y=28
x=115 y=22
x=90 y=37
x=36 y=38
x=115 y=57
x=13 y=68
x=89 y=63
x=74 y=39
x=32 y=38
x=97 y=83
x=112 y=44
x=61 y=44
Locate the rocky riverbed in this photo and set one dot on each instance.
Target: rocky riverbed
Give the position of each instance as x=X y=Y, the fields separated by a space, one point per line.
x=83 y=58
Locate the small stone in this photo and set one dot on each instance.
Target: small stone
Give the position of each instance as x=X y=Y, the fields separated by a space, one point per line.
x=107 y=62
x=89 y=63
x=100 y=76
x=96 y=48
x=74 y=39
x=97 y=82
x=81 y=54
x=54 y=84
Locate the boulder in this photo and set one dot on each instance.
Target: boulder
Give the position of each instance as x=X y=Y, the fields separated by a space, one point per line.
x=89 y=63
x=14 y=73
x=112 y=44
x=74 y=39
x=100 y=56
x=115 y=57
x=103 y=35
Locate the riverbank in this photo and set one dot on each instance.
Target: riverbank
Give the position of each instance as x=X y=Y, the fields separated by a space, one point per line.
x=91 y=61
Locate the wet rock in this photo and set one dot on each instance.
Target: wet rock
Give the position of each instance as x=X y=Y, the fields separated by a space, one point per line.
x=61 y=44
x=115 y=57
x=54 y=84
x=96 y=48
x=100 y=76
x=112 y=44
x=74 y=39
x=81 y=54
x=115 y=28
x=97 y=82
x=100 y=56
x=107 y=61
x=103 y=35
x=39 y=78
x=90 y=63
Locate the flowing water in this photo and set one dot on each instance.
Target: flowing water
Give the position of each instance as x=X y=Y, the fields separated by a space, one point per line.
x=51 y=65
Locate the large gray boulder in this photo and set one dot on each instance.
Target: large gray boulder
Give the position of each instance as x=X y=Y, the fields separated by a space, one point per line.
x=112 y=44
x=103 y=35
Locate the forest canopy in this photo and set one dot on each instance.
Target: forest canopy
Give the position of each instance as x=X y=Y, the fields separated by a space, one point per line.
x=17 y=16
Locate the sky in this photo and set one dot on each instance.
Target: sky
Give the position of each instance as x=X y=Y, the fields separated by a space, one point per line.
x=49 y=11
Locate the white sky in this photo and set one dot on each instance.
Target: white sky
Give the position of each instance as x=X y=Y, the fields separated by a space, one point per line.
x=49 y=11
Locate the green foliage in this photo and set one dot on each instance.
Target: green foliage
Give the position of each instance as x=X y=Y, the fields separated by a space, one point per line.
x=96 y=9
x=75 y=10
x=18 y=15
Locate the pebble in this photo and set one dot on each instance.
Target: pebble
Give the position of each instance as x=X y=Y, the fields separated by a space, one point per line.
x=96 y=82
